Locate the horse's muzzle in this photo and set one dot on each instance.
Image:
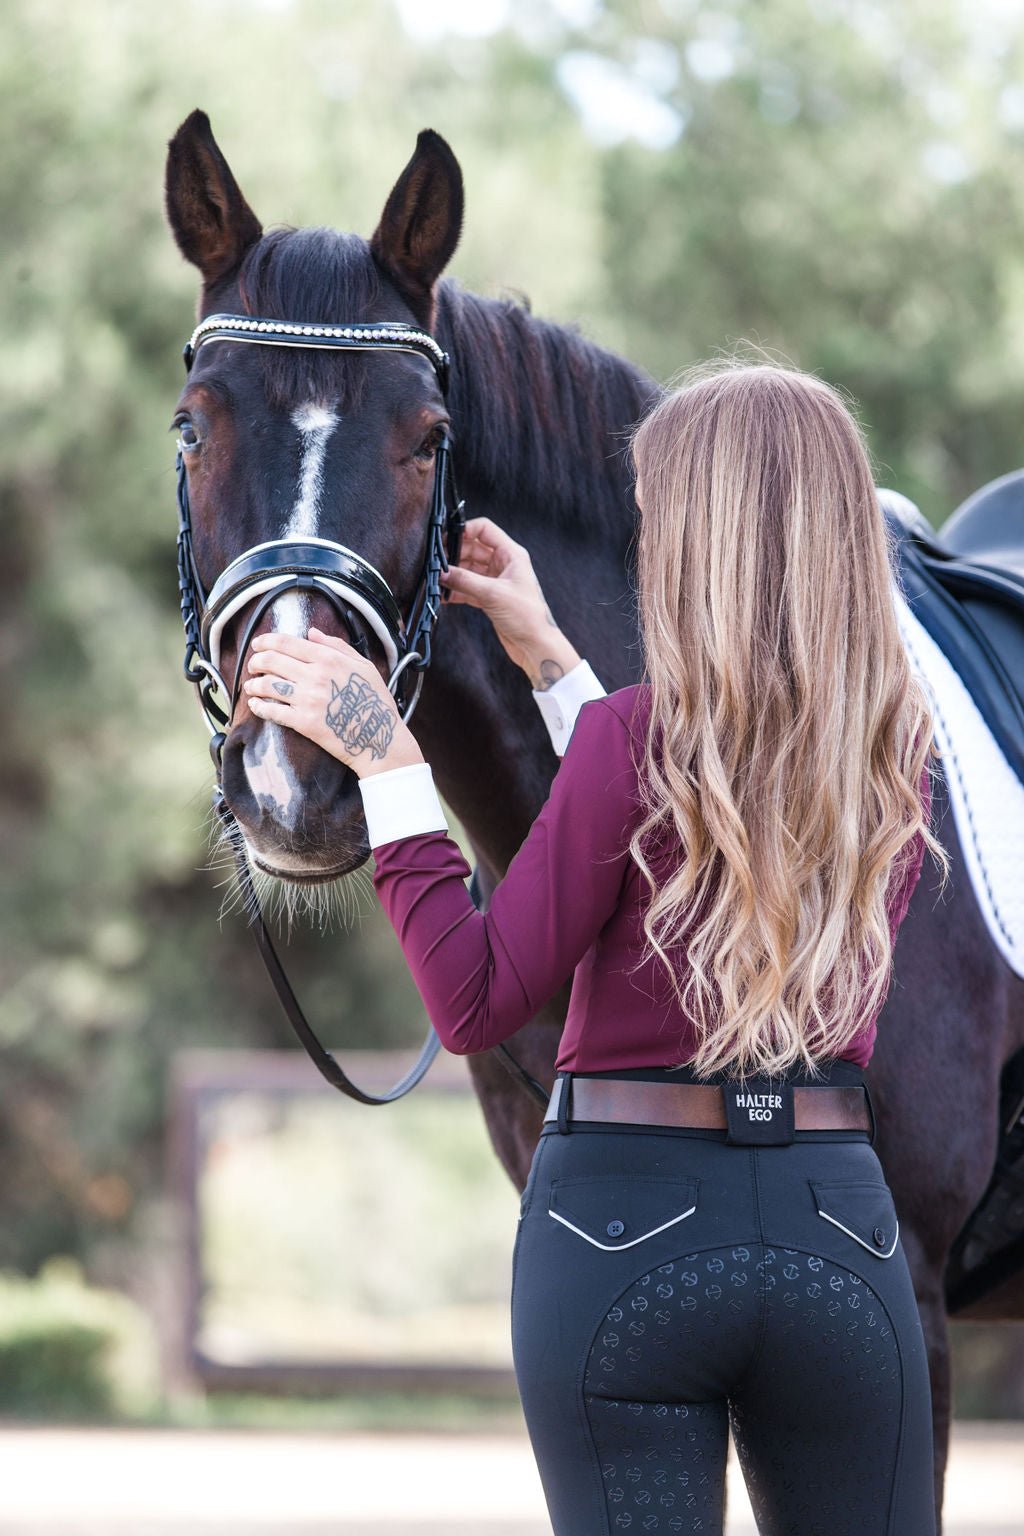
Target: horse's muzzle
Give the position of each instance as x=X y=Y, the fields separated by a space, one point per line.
x=298 y=807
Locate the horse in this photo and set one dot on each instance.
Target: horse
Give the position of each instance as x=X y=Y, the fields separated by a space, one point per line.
x=308 y=443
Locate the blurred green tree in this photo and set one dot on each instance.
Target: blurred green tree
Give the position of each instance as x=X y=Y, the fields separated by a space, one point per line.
x=846 y=190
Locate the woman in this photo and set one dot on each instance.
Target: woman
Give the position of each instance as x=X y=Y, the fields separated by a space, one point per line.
x=725 y=857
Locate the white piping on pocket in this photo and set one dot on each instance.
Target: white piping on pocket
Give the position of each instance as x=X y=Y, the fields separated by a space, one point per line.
x=878 y=1255
x=617 y=1247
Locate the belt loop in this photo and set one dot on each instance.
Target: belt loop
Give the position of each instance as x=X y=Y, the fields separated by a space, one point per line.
x=871 y=1112
x=565 y=1104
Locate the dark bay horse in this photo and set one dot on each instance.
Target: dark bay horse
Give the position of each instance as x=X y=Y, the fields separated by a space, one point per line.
x=342 y=447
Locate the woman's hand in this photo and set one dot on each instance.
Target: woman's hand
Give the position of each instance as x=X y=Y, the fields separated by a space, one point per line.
x=324 y=689
x=496 y=574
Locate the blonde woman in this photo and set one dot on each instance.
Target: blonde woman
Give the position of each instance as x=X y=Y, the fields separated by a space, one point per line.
x=706 y=1239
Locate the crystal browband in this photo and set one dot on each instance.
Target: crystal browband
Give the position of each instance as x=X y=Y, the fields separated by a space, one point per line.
x=393 y=336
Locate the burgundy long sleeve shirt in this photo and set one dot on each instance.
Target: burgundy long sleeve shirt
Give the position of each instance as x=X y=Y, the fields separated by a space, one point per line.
x=570 y=905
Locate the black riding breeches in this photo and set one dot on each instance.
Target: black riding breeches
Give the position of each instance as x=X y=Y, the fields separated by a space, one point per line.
x=668 y=1285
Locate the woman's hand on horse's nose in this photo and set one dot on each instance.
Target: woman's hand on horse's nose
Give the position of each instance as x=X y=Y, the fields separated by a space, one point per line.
x=324 y=689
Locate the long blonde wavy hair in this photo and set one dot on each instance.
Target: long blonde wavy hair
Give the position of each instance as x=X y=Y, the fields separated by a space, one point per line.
x=787 y=733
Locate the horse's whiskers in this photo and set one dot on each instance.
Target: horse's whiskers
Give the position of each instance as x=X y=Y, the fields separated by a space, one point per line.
x=327 y=904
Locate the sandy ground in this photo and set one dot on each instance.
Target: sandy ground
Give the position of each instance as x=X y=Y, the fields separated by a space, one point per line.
x=156 y=1483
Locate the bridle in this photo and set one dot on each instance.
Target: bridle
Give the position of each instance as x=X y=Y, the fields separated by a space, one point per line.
x=261 y=575
x=350 y=583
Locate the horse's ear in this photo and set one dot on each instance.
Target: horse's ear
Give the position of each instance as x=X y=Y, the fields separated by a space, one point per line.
x=212 y=222
x=422 y=220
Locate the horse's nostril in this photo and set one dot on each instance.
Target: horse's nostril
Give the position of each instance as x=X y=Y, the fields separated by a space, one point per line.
x=298 y=808
x=276 y=778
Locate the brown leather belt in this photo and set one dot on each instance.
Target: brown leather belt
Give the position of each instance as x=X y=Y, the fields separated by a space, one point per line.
x=700 y=1106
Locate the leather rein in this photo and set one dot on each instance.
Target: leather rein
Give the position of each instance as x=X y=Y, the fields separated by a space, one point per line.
x=260 y=575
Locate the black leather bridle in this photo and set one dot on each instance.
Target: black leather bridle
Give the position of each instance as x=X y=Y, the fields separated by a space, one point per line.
x=259 y=576
x=350 y=583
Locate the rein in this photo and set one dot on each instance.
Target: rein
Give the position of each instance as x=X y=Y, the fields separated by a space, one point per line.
x=266 y=571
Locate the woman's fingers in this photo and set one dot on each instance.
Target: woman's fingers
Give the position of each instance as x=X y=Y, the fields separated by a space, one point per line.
x=275 y=661
x=494 y=556
x=268 y=709
x=483 y=559
x=292 y=672
x=468 y=587
x=302 y=649
x=484 y=543
x=320 y=688
x=496 y=574
x=268 y=686
x=288 y=645
x=486 y=531
x=334 y=643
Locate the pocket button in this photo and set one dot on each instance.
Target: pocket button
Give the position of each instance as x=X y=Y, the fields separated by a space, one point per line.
x=615 y=1228
x=879 y=1237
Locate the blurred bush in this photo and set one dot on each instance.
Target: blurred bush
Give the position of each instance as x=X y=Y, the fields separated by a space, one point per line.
x=988 y=1370
x=68 y=1350
x=328 y=1236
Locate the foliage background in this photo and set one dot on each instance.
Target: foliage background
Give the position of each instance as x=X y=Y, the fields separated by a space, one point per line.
x=836 y=179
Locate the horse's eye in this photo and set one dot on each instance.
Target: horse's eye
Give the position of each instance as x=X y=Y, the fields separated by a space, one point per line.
x=430 y=444
x=188 y=437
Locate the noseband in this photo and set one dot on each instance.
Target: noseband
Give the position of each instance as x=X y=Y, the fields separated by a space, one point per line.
x=262 y=574
x=351 y=584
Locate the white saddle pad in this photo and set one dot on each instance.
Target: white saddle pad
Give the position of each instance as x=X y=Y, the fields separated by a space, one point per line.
x=986 y=796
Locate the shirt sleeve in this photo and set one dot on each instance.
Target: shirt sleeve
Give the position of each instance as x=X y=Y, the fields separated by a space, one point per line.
x=560 y=704
x=483 y=975
x=401 y=802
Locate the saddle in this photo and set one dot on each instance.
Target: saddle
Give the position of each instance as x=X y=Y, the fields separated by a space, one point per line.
x=965 y=584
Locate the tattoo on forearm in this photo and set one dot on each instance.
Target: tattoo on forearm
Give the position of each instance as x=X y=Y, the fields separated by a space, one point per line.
x=550 y=672
x=284 y=689
x=359 y=718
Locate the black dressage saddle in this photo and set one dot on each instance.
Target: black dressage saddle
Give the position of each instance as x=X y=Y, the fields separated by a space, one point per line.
x=966 y=586
x=965 y=583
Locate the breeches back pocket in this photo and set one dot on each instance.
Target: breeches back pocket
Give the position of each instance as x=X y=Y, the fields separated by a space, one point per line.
x=864 y=1211
x=617 y=1213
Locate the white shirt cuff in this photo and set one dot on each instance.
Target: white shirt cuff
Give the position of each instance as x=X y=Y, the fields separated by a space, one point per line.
x=561 y=703
x=401 y=802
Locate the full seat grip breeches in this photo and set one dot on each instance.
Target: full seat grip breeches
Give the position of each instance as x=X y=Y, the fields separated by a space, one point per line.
x=669 y=1286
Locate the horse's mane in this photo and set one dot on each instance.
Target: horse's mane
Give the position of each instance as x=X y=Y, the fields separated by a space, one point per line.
x=540 y=412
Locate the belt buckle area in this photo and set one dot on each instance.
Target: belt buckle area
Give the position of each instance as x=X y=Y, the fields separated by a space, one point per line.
x=759 y=1112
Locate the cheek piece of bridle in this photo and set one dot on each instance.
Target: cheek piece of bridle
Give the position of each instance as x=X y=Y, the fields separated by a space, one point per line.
x=259 y=576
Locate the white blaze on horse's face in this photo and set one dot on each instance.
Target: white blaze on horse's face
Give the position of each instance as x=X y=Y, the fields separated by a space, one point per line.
x=314 y=423
x=266 y=763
